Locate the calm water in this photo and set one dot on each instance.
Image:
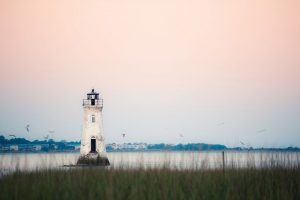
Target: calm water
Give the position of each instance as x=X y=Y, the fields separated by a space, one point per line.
x=173 y=160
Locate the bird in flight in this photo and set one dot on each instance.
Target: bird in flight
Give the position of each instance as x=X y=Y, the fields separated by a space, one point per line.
x=220 y=124
x=12 y=136
x=27 y=128
x=46 y=137
x=262 y=130
x=123 y=135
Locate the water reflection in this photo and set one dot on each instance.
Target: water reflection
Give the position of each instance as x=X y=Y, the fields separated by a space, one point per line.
x=173 y=160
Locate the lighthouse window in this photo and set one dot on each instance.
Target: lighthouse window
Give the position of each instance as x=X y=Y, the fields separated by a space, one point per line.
x=93 y=118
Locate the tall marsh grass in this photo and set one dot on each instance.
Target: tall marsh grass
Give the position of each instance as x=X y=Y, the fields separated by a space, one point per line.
x=256 y=176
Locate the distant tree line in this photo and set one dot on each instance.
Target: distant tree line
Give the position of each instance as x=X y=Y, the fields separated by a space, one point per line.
x=187 y=147
x=15 y=140
x=64 y=145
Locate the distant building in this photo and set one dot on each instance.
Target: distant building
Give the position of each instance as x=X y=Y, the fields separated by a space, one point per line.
x=37 y=148
x=127 y=147
x=4 y=148
x=13 y=148
x=25 y=147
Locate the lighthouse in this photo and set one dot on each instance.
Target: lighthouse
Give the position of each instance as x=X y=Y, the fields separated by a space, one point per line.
x=92 y=148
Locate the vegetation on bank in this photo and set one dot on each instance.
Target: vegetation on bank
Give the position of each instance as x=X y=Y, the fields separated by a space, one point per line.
x=49 y=145
x=98 y=183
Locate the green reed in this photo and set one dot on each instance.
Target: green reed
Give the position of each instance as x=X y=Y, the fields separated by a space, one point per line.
x=273 y=182
x=271 y=176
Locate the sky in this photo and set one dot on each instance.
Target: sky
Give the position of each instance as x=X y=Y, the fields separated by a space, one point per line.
x=213 y=71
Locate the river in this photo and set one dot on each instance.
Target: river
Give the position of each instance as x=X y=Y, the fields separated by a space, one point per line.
x=10 y=162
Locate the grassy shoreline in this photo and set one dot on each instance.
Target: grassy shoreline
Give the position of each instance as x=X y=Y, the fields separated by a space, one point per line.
x=93 y=183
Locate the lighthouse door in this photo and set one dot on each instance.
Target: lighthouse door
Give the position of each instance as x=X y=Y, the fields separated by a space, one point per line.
x=93 y=145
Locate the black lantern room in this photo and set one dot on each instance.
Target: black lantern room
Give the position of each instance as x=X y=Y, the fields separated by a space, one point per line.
x=93 y=96
x=92 y=99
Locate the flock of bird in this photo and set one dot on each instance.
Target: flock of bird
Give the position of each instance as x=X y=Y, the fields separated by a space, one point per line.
x=27 y=127
x=221 y=124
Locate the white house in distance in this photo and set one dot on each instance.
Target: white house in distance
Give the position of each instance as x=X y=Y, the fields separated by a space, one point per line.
x=13 y=148
x=92 y=148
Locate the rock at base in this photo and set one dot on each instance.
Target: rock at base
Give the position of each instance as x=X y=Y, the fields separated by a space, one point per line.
x=93 y=159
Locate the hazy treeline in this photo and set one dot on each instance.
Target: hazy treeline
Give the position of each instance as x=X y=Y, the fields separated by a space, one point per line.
x=15 y=140
x=149 y=147
x=187 y=147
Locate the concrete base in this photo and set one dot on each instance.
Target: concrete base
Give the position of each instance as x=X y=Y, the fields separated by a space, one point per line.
x=93 y=159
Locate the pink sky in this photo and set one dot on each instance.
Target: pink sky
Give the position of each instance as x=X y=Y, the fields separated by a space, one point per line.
x=164 y=67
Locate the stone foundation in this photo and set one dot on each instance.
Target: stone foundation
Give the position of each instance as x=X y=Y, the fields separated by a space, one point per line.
x=93 y=159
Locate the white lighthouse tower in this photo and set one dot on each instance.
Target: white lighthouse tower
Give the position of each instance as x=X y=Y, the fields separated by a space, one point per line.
x=92 y=148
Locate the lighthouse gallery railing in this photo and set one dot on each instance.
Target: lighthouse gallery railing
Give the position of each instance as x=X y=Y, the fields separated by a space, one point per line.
x=92 y=102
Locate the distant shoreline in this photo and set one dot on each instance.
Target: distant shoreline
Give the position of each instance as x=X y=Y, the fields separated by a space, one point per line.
x=153 y=151
x=19 y=145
